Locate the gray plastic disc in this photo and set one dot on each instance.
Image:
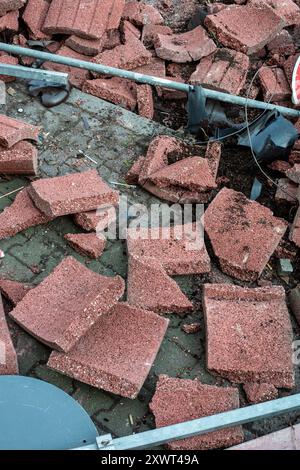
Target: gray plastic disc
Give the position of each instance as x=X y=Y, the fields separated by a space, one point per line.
x=35 y=415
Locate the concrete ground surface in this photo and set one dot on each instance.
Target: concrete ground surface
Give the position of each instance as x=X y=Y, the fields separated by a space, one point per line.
x=114 y=138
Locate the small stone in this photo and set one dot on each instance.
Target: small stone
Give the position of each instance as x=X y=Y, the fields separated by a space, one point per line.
x=287 y=192
x=285 y=267
x=191 y=329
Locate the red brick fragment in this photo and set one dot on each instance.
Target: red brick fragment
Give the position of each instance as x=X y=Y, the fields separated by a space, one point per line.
x=77 y=76
x=128 y=56
x=249 y=334
x=10 y=22
x=85 y=18
x=289 y=66
x=280 y=165
x=21 y=159
x=244 y=28
x=14 y=291
x=21 y=215
x=260 y=392
x=132 y=177
x=274 y=84
x=141 y=14
x=7 y=59
x=88 y=244
x=224 y=70
x=155 y=67
x=177 y=400
x=287 y=191
x=10 y=5
x=145 y=101
x=34 y=17
x=243 y=233
x=116 y=90
x=60 y=310
x=96 y=220
x=184 y=47
x=177 y=195
x=118 y=351
x=89 y=47
x=180 y=250
x=72 y=193
x=287 y=9
x=282 y=44
x=129 y=30
x=294 y=157
x=295 y=230
x=150 y=32
x=294 y=173
x=13 y=130
x=149 y=287
x=286 y=439
x=112 y=39
x=8 y=355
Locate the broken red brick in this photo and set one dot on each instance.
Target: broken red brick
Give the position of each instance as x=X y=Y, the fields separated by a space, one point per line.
x=13 y=130
x=260 y=392
x=10 y=5
x=141 y=14
x=14 y=291
x=160 y=293
x=72 y=193
x=177 y=400
x=128 y=29
x=96 y=220
x=294 y=301
x=286 y=439
x=112 y=39
x=155 y=67
x=289 y=66
x=294 y=173
x=280 y=165
x=274 y=84
x=243 y=233
x=34 y=17
x=8 y=355
x=132 y=177
x=116 y=90
x=60 y=310
x=7 y=59
x=249 y=334
x=282 y=44
x=177 y=195
x=224 y=70
x=85 y=18
x=21 y=159
x=180 y=250
x=10 y=22
x=287 y=9
x=88 y=244
x=287 y=191
x=184 y=47
x=20 y=215
x=169 y=94
x=295 y=230
x=145 y=101
x=118 y=351
x=128 y=56
x=244 y=28
x=90 y=47
x=191 y=329
x=150 y=32
x=77 y=76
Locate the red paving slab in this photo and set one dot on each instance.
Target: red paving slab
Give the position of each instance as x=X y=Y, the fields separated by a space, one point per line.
x=72 y=193
x=34 y=17
x=14 y=291
x=96 y=220
x=20 y=215
x=244 y=28
x=9 y=5
x=172 y=248
x=85 y=18
x=224 y=70
x=60 y=310
x=141 y=14
x=274 y=84
x=118 y=351
x=88 y=244
x=294 y=301
x=260 y=392
x=9 y=22
x=160 y=293
x=286 y=439
x=13 y=130
x=8 y=356
x=128 y=56
x=249 y=334
x=6 y=59
x=20 y=159
x=295 y=229
x=287 y=191
x=117 y=90
x=150 y=32
x=177 y=195
x=184 y=47
x=178 y=400
x=89 y=47
x=282 y=44
x=145 y=101
x=288 y=10
x=243 y=233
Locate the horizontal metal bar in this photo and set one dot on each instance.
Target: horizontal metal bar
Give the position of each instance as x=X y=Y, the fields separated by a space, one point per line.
x=200 y=426
x=142 y=78
x=34 y=74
